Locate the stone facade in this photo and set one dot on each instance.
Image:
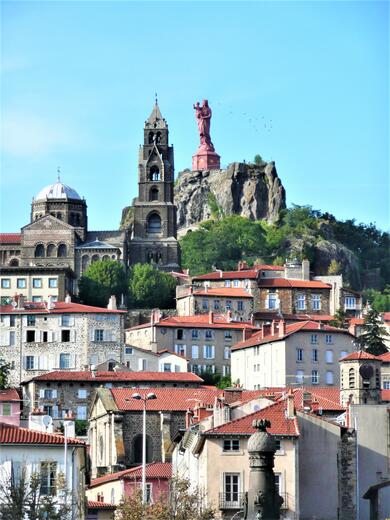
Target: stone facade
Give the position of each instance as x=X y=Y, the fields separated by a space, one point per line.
x=360 y=379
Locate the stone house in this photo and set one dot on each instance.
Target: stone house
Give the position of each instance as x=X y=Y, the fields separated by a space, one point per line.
x=10 y=408
x=61 y=393
x=115 y=424
x=305 y=352
x=205 y=340
x=37 y=338
x=114 y=487
x=43 y=454
x=385 y=371
x=137 y=358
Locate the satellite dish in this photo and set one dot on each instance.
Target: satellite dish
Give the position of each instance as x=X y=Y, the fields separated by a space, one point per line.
x=366 y=371
x=256 y=408
x=47 y=420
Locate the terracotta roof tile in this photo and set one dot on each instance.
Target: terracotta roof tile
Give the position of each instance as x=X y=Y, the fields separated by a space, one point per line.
x=385 y=357
x=59 y=308
x=284 y=282
x=277 y=315
x=10 y=434
x=93 y=504
x=67 y=375
x=232 y=292
x=219 y=321
x=361 y=354
x=153 y=470
x=327 y=398
x=10 y=394
x=228 y=275
x=10 y=238
x=385 y=394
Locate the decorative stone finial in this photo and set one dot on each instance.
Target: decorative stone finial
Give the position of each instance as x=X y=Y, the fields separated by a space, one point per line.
x=261 y=424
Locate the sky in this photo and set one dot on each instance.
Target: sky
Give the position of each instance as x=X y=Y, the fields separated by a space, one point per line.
x=304 y=84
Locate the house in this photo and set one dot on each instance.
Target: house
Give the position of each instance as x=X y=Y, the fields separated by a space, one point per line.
x=10 y=408
x=205 y=340
x=114 y=487
x=37 y=338
x=44 y=454
x=137 y=358
x=305 y=352
x=100 y=510
x=61 y=393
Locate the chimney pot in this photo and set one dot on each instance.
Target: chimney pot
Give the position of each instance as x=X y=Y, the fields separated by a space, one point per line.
x=211 y=317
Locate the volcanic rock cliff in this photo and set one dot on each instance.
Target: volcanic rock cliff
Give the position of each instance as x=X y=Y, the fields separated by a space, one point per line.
x=250 y=190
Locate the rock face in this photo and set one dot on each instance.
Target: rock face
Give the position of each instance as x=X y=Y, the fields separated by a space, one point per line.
x=249 y=190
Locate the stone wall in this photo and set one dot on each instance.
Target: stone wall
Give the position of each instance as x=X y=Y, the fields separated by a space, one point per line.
x=346 y=469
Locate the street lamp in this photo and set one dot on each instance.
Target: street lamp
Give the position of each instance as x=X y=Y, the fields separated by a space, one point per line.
x=144 y=399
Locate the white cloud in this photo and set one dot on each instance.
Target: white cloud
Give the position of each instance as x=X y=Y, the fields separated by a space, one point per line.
x=26 y=135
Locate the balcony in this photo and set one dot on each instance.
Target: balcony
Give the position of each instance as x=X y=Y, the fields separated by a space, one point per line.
x=231 y=500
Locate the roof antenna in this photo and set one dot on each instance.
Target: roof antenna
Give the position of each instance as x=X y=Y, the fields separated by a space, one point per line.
x=155 y=96
x=58 y=174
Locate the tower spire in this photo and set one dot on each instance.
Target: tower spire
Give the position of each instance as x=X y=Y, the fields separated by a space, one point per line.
x=58 y=174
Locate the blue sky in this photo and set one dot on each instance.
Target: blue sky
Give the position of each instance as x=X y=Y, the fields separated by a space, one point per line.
x=302 y=83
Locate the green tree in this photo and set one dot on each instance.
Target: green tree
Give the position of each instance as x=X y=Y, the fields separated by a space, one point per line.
x=101 y=280
x=334 y=267
x=340 y=319
x=5 y=369
x=258 y=160
x=372 y=338
x=149 y=287
x=379 y=301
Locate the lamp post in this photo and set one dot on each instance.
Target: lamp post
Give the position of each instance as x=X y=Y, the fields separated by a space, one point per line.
x=144 y=399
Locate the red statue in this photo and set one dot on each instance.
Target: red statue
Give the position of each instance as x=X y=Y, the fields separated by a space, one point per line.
x=205 y=158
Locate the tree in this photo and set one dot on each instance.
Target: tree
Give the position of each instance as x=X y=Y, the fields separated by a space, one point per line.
x=5 y=369
x=258 y=160
x=372 y=338
x=101 y=280
x=334 y=267
x=149 y=287
x=340 y=319
x=379 y=301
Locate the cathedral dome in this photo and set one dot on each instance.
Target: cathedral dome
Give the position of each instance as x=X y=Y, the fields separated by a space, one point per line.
x=58 y=190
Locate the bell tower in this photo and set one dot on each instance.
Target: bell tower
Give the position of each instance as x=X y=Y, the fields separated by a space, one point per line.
x=154 y=229
x=360 y=379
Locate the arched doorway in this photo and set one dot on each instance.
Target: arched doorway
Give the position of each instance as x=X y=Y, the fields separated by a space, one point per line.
x=137 y=449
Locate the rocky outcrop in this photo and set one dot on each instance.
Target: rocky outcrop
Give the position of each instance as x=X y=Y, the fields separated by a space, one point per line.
x=127 y=218
x=250 y=190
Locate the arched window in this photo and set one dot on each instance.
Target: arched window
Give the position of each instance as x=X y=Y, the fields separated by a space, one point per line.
x=158 y=137
x=153 y=194
x=59 y=216
x=151 y=137
x=137 y=449
x=351 y=378
x=154 y=223
x=105 y=257
x=95 y=258
x=62 y=251
x=51 y=250
x=154 y=173
x=39 y=251
x=84 y=262
x=14 y=262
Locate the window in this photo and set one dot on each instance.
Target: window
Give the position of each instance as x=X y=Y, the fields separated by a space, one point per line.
x=39 y=251
x=12 y=321
x=195 y=333
x=167 y=367
x=48 y=393
x=227 y=283
x=5 y=283
x=37 y=298
x=129 y=351
x=350 y=302
x=37 y=283
x=180 y=349
x=208 y=351
x=301 y=302
x=30 y=336
x=66 y=320
x=154 y=223
x=329 y=377
x=343 y=353
x=228 y=335
x=351 y=378
x=236 y=283
x=229 y=305
x=329 y=356
x=272 y=301
x=205 y=305
x=195 y=369
x=48 y=478
x=216 y=305
x=180 y=334
x=6 y=409
x=21 y=283
x=314 y=377
x=82 y=393
x=31 y=321
x=278 y=443
x=82 y=413
x=99 y=335
x=225 y=370
x=65 y=336
x=328 y=339
x=386 y=385
x=226 y=353
x=64 y=361
x=277 y=480
x=30 y=362
x=53 y=283
x=314 y=355
x=231 y=445
x=62 y=251
x=299 y=376
x=314 y=338
x=316 y=302
x=153 y=194
x=299 y=355
x=208 y=334
x=240 y=305
x=232 y=489
x=195 y=351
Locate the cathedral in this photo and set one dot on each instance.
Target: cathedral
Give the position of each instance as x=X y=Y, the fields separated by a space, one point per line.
x=50 y=254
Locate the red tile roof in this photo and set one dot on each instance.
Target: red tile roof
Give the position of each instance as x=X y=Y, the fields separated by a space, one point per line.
x=10 y=394
x=227 y=292
x=219 y=321
x=168 y=399
x=327 y=397
x=385 y=394
x=298 y=284
x=93 y=504
x=290 y=329
x=10 y=238
x=280 y=424
x=385 y=357
x=10 y=434
x=228 y=275
x=361 y=354
x=59 y=308
x=67 y=375
x=153 y=470
x=277 y=315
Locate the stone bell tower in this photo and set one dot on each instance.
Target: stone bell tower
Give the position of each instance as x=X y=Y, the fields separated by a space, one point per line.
x=360 y=379
x=154 y=230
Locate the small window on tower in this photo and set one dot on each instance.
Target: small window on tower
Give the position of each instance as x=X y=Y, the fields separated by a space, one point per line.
x=154 y=173
x=153 y=193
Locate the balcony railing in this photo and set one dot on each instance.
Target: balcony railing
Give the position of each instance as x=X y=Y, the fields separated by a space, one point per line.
x=231 y=500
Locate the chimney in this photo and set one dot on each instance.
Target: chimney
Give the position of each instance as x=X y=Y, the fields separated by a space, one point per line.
x=273 y=328
x=20 y=302
x=246 y=333
x=93 y=370
x=232 y=394
x=111 y=306
x=50 y=303
x=229 y=315
x=262 y=331
x=282 y=328
x=211 y=317
x=305 y=269
x=290 y=404
x=189 y=416
x=319 y=325
x=68 y=299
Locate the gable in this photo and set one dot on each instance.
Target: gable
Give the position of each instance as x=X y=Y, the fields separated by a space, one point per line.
x=47 y=223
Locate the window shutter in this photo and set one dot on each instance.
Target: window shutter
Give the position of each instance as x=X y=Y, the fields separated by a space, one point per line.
x=72 y=361
x=213 y=351
x=73 y=335
x=54 y=394
x=113 y=335
x=204 y=350
x=24 y=362
x=41 y=393
x=24 y=336
x=91 y=334
x=71 y=321
x=7 y=320
x=140 y=364
x=55 y=408
x=24 y=321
